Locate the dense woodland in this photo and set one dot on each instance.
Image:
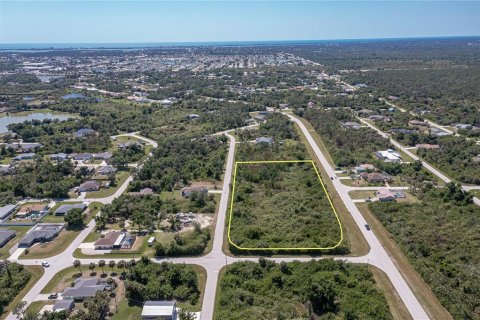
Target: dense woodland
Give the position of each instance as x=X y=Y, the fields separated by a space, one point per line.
x=165 y=281
x=440 y=238
x=13 y=278
x=323 y=289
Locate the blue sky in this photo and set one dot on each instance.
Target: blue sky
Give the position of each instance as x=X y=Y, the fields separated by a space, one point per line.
x=71 y=21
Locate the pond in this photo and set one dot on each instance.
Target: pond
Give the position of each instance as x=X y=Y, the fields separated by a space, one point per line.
x=29 y=116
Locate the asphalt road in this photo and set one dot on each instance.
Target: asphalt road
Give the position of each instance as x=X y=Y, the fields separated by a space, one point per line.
x=214 y=261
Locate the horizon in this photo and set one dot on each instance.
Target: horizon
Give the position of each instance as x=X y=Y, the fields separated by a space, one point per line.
x=87 y=22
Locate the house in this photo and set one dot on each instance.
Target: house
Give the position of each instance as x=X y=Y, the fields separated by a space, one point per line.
x=89 y=186
x=260 y=118
x=417 y=123
x=42 y=232
x=64 y=305
x=84 y=288
x=103 y=156
x=351 y=125
x=402 y=131
x=146 y=191
x=106 y=170
x=375 y=177
x=81 y=156
x=389 y=155
x=268 y=140
x=377 y=117
x=23 y=146
x=29 y=209
x=427 y=146
x=463 y=126
x=438 y=132
x=385 y=195
x=129 y=144
x=24 y=156
x=5 y=211
x=193 y=116
x=187 y=191
x=110 y=241
x=5 y=236
x=166 y=102
x=84 y=132
x=364 y=168
x=59 y=156
x=63 y=209
x=4 y=170
x=164 y=310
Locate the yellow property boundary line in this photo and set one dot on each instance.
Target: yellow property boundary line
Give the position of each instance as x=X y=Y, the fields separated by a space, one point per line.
x=282 y=249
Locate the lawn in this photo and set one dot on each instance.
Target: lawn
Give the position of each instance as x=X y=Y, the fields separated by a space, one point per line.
x=20 y=232
x=107 y=192
x=281 y=206
x=361 y=194
x=36 y=306
x=49 y=249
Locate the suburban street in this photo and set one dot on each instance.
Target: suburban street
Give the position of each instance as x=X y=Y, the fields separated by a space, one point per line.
x=215 y=260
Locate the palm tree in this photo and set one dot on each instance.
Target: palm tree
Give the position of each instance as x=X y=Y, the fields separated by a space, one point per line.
x=111 y=264
x=101 y=264
x=91 y=266
x=78 y=265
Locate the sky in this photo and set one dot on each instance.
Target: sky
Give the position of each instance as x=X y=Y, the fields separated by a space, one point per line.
x=101 y=21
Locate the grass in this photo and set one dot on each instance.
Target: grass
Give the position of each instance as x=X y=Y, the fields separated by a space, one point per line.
x=356 y=242
x=421 y=290
x=37 y=273
x=127 y=311
x=49 y=249
x=36 y=306
x=361 y=194
x=120 y=178
x=395 y=303
x=6 y=160
x=20 y=232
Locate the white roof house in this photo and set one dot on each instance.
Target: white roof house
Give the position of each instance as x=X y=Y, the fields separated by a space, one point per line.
x=165 y=310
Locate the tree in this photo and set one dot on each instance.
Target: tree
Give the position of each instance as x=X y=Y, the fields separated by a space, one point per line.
x=77 y=264
x=91 y=266
x=111 y=264
x=75 y=219
x=19 y=309
x=101 y=264
x=185 y=314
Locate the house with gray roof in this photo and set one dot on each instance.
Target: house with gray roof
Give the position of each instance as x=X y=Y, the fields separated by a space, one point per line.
x=5 y=236
x=88 y=186
x=268 y=140
x=106 y=170
x=64 y=305
x=5 y=211
x=59 y=156
x=24 y=156
x=84 y=132
x=81 y=156
x=42 y=232
x=63 y=209
x=84 y=288
x=103 y=156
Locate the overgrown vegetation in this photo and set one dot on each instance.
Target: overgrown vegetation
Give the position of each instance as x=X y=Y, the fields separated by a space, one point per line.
x=13 y=278
x=324 y=289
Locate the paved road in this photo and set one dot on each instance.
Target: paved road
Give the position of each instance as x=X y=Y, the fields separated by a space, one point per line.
x=377 y=255
x=214 y=261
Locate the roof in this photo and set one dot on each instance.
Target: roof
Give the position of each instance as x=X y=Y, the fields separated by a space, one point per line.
x=67 y=207
x=63 y=305
x=84 y=288
x=5 y=210
x=109 y=239
x=6 y=234
x=264 y=140
x=158 y=308
x=24 y=156
x=90 y=184
x=146 y=191
x=42 y=231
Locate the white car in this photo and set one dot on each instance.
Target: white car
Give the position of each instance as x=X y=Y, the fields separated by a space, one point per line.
x=45 y=264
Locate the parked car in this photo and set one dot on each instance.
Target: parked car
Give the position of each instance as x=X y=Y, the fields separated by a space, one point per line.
x=45 y=264
x=367 y=227
x=53 y=296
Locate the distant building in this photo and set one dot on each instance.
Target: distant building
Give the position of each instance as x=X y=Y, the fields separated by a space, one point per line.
x=427 y=146
x=146 y=191
x=84 y=132
x=89 y=186
x=193 y=116
x=84 y=288
x=402 y=131
x=351 y=125
x=463 y=126
x=103 y=156
x=385 y=195
x=59 y=156
x=438 y=132
x=63 y=209
x=64 y=305
x=42 y=232
x=81 y=156
x=5 y=236
x=23 y=146
x=106 y=170
x=166 y=102
x=389 y=156
x=24 y=156
x=364 y=168
x=268 y=140
x=154 y=310
x=129 y=144
x=417 y=123
x=187 y=191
